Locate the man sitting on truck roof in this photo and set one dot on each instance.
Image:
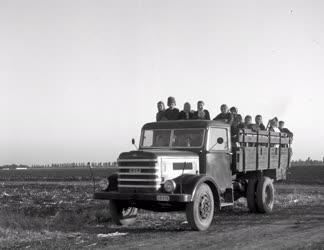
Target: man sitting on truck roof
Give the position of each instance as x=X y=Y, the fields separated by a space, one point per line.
x=201 y=113
x=285 y=130
x=160 y=115
x=224 y=115
x=186 y=113
x=172 y=113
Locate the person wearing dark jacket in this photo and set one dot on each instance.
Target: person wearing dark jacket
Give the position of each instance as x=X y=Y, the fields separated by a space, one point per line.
x=224 y=116
x=160 y=115
x=285 y=130
x=201 y=113
x=186 y=113
x=259 y=126
x=247 y=123
x=172 y=113
x=236 y=121
x=236 y=118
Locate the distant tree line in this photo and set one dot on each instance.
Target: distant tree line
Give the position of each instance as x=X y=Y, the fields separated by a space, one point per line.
x=307 y=162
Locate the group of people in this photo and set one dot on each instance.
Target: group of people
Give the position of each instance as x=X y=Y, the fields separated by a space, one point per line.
x=230 y=116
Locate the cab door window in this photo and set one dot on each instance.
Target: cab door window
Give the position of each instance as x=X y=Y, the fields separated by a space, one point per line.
x=217 y=139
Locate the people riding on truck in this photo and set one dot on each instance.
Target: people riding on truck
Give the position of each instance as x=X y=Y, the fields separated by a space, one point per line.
x=186 y=113
x=285 y=130
x=172 y=113
x=201 y=113
x=247 y=122
x=224 y=116
x=273 y=125
x=160 y=115
x=259 y=126
x=228 y=116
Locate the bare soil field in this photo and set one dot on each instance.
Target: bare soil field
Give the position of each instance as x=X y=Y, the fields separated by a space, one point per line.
x=307 y=174
x=62 y=215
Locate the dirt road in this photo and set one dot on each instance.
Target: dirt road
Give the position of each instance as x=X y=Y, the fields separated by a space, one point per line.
x=298 y=227
x=297 y=223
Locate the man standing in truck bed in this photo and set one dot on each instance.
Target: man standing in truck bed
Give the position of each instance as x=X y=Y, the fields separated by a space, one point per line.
x=285 y=130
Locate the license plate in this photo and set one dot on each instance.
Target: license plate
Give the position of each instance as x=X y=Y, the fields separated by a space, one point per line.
x=135 y=170
x=163 y=198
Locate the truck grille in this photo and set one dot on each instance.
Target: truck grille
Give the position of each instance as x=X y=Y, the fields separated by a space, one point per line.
x=138 y=175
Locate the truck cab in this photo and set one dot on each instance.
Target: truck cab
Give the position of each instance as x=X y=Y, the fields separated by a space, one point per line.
x=195 y=166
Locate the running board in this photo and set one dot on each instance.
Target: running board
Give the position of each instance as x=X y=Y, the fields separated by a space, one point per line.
x=226 y=204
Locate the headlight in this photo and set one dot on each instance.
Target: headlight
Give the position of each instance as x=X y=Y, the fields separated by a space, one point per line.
x=169 y=186
x=104 y=184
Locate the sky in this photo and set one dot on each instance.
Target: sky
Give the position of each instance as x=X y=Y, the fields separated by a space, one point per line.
x=78 y=79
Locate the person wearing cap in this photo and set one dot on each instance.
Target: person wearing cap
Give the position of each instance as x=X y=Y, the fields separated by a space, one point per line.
x=224 y=116
x=273 y=125
x=186 y=113
x=259 y=126
x=160 y=115
x=201 y=113
x=247 y=122
x=285 y=130
x=172 y=113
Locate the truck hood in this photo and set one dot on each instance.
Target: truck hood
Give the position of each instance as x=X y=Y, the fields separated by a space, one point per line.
x=154 y=154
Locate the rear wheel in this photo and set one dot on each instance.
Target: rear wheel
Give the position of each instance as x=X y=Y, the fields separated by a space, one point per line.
x=122 y=214
x=265 y=195
x=200 y=211
x=251 y=195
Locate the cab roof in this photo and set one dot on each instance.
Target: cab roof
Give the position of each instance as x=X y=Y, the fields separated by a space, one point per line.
x=179 y=124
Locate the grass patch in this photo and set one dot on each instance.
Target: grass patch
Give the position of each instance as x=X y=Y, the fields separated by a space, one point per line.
x=63 y=220
x=288 y=196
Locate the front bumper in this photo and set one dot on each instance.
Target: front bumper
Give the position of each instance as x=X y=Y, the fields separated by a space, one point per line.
x=158 y=197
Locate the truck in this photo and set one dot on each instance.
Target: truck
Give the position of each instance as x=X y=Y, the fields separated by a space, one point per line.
x=198 y=167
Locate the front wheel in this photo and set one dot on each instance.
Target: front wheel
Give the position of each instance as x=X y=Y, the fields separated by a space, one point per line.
x=265 y=195
x=200 y=211
x=121 y=214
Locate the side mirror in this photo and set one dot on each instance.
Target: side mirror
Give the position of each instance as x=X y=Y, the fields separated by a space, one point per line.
x=133 y=142
x=220 y=140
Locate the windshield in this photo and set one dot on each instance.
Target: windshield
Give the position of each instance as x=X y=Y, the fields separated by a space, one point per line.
x=177 y=138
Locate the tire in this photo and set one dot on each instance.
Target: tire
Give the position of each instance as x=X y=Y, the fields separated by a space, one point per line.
x=251 y=195
x=122 y=215
x=265 y=195
x=200 y=211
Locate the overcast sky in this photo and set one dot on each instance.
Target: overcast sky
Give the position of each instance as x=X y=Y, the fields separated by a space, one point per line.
x=78 y=79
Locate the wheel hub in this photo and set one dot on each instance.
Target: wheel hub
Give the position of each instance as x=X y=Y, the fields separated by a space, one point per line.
x=268 y=196
x=204 y=207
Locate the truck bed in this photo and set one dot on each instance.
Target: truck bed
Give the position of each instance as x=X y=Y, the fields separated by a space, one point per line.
x=263 y=150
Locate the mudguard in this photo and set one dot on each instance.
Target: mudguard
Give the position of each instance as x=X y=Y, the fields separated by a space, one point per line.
x=188 y=184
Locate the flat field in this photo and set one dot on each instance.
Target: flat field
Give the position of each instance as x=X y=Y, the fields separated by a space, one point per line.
x=63 y=215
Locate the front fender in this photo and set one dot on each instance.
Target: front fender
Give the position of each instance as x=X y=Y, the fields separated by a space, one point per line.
x=189 y=183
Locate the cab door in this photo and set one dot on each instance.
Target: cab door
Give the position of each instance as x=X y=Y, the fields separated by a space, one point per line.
x=219 y=157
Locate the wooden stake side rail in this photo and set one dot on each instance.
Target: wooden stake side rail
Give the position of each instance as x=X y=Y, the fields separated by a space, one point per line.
x=263 y=150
